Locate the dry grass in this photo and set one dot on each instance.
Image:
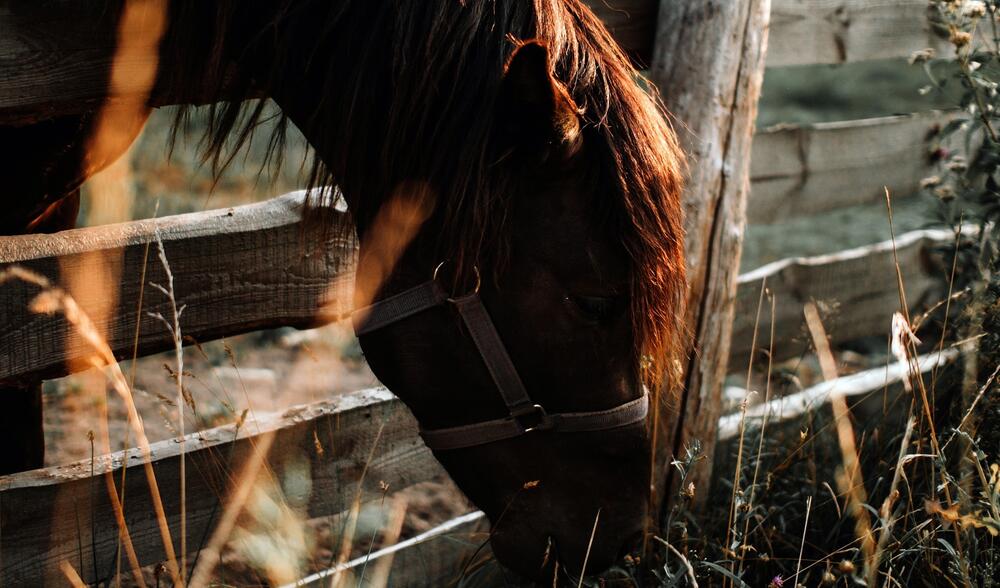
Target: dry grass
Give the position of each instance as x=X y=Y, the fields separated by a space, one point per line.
x=909 y=510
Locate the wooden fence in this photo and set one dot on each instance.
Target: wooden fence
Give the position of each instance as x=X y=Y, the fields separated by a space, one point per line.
x=806 y=170
x=272 y=274
x=803 y=32
x=63 y=512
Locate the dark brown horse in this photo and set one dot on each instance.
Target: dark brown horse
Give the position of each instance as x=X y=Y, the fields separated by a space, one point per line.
x=541 y=167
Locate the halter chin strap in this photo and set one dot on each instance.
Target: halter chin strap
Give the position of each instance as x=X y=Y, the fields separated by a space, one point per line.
x=524 y=415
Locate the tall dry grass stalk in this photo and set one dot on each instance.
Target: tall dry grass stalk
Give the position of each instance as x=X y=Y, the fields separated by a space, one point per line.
x=802 y=543
x=972 y=407
x=390 y=535
x=688 y=568
x=908 y=343
x=338 y=579
x=71 y=575
x=590 y=544
x=131 y=382
x=51 y=300
x=851 y=483
x=886 y=511
x=173 y=325
x=244 y=485
x=94 y=280
x=734 y=504
x=763 y=427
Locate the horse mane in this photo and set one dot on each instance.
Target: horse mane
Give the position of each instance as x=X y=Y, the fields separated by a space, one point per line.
x=421 y=74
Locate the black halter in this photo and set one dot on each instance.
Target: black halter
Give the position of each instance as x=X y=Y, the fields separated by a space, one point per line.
x=524 y=414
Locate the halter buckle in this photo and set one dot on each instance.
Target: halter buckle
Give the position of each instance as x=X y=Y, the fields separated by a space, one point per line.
x=531 y=418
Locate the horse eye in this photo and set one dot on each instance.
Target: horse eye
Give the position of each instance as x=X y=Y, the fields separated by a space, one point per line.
x=595 y=307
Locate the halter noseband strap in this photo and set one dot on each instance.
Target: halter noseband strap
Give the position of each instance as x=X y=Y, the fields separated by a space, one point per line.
x=524 y=415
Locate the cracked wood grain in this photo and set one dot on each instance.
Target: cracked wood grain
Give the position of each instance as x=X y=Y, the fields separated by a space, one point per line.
x=805 y=32
x=708 y=65
x=805 y=170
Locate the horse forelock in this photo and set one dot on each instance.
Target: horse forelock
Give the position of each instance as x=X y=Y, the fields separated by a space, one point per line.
x=416 y=103
x=646 y=166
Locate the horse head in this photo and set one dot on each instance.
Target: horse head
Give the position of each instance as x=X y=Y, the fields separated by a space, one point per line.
x=557 y=295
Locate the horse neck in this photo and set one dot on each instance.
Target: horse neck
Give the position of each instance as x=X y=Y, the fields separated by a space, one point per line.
x=317 y=88
x=394 y=112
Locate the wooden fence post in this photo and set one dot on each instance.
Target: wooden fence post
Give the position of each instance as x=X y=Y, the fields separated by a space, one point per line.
x=708 y=63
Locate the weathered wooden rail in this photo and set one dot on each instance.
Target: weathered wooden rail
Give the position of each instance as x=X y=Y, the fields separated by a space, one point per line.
x=803 y=32
x=64 y=513
x=237 y=270
x=806 y=170
x=272 y=277
x=856 y=288
x=787 y=410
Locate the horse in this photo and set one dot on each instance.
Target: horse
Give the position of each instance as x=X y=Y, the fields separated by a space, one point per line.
x=517 y=189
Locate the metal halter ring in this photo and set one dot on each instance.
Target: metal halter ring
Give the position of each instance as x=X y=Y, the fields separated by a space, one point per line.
x=475 y=269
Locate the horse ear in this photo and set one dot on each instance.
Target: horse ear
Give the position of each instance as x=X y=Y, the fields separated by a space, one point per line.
x=535 y=111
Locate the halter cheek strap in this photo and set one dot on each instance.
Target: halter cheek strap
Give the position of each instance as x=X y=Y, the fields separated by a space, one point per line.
x=524 y=416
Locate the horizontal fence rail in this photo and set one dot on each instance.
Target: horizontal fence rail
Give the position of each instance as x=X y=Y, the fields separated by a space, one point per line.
x=436 y=557
x=236 y=270
x=856 y=290
x=796 y=406
x=55 y=56
x=249 y=287
x=64 y=512
x=807 y=32
x=801 y=428
x=805 y=170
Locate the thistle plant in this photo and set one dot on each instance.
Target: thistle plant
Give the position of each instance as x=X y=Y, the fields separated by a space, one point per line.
x=967 y=147
x=966 y=189
x=967 y=186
